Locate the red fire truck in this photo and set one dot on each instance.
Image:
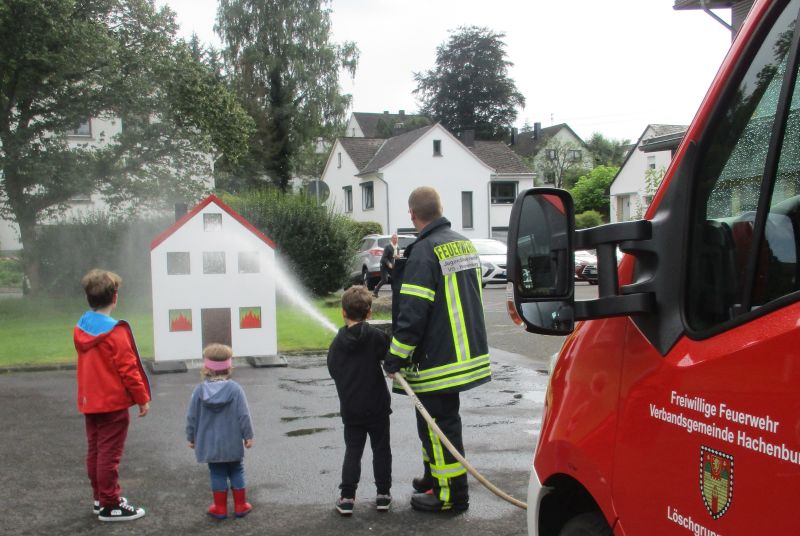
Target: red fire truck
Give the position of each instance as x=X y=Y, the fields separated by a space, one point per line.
x=674 y=404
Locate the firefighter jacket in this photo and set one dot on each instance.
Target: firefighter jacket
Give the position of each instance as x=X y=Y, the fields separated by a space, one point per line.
x=438 y=328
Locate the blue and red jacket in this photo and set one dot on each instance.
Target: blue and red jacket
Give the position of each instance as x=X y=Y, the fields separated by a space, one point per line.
x=110 y=372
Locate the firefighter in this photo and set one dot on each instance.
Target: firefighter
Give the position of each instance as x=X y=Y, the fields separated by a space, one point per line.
x=439 y=343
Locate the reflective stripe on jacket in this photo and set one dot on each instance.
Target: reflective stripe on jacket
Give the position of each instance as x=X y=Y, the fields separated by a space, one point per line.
x=438 y=325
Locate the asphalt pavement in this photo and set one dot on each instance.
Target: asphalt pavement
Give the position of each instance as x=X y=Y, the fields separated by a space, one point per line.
x=294 y=467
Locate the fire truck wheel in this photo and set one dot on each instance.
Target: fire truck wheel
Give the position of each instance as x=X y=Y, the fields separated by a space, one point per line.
x=587 y=524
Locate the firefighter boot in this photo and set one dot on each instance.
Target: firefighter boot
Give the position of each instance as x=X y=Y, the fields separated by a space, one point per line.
x=429 y=502
x=219 y=510
x=425 y=483
x=240 y=504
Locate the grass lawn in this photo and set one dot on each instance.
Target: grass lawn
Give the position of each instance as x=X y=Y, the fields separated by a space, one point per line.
x=37 y=331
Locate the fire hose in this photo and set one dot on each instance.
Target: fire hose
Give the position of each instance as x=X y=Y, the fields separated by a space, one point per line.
x=457 y=455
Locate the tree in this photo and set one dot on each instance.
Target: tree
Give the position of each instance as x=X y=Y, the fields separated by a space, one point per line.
x=469 y=88
x=63 y=62
x=558 y=161
x=607 y=151
x=285 y=70
x=591 y=190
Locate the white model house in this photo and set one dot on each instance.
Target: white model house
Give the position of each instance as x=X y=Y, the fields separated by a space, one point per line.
x=370 y=179
x=212 y=282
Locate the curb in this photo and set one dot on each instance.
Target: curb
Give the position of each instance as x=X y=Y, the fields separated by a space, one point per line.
x=145 y=361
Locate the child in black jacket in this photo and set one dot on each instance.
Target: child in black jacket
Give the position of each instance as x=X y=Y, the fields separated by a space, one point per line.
x=354 y=364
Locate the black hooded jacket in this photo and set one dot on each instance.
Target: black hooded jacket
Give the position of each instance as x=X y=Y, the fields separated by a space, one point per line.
x=354 y=363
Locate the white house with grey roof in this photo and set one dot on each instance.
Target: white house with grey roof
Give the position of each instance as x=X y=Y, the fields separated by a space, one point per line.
x=370 y=179
x=630 y=192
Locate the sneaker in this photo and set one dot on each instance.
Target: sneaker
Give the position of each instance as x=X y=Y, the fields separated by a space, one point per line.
x=122 y=512
x=345 y=506
x=96 y=507
x=382 y=502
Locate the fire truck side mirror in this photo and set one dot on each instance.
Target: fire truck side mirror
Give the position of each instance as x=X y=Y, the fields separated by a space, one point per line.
x=541 y=261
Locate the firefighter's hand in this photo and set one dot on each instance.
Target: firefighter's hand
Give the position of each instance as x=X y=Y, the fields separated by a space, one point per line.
x=143 y=409
x=191 y=444
x=248 y=443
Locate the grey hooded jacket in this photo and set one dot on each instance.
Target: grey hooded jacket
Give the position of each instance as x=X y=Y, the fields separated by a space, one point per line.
x=218 y=421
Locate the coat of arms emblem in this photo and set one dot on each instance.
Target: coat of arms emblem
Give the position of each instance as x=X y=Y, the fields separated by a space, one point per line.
x=716 y=481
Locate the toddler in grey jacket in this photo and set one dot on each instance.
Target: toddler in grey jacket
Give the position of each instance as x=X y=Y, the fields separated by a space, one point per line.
x=218 y=428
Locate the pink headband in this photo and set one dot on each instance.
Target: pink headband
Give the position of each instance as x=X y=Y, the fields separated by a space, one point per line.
x=217 y=365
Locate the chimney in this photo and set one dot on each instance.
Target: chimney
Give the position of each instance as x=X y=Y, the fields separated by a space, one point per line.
x=402 y=115
x=513 y=138
x=468 y=137
x=180 y=210
x=537 y=131
x=386 y=112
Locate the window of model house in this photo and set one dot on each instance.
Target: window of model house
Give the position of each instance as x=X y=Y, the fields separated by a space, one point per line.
x=212 y=222
x=249 y=262
x=348 y=198
x=84 y=129
x=213 y=262
x=367 y=196
x=504 y=193
x=437 y=147
x=466 y=210
x=178 y=263
x=651 y=162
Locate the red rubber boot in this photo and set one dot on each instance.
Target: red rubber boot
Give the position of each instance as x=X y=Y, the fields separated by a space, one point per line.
x=219 y=510
x=240 y=504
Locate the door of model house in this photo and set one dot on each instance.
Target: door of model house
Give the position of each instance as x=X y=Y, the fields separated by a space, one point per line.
x=216 y=326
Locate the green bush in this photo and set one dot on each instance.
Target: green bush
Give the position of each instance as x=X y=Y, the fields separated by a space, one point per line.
x=10 y=273
x=590 y=218
x=68 y=250
x=317 y=243
x=364 y=228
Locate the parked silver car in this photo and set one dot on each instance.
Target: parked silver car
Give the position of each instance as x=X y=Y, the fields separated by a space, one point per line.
x=366 y=267
x=493 y=259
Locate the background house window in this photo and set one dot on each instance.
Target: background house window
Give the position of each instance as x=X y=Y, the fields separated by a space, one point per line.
x=466 y=210
x=213 y=262
x=550 y=177
x=339 y=157
x=504 y=193
x=550 y=154
x=367 y=196
x=178 y=263
x=574 y=155
x=249 y=262
x=651 y=162
x=348 y=198
x=83 y=129
x=437 y=147
x=212 y=222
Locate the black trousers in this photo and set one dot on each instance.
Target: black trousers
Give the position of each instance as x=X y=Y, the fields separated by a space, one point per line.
x=355 y=437
x=383 y=281
x=449 y=477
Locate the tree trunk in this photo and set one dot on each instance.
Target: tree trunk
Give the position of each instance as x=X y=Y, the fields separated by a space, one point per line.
x=30 y=256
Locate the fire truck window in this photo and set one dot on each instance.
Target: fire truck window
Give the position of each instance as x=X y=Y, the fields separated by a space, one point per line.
x=727 y=186
x=777 y=273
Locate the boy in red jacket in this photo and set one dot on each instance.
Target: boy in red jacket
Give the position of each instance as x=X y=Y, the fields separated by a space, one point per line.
x=111 y=379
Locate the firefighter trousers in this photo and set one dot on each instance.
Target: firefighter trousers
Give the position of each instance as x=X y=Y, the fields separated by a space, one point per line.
x=447 y=474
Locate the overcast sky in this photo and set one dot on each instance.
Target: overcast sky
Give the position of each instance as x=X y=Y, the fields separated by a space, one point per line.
x=610 y=66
